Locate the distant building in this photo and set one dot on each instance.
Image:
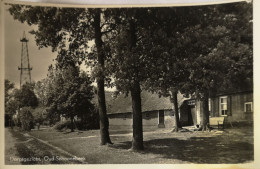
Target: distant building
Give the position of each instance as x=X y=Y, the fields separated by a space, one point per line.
x=157 y=111
x=234 y=106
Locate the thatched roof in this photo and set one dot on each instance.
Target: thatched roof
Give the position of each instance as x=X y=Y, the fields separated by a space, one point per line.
x=150 y=102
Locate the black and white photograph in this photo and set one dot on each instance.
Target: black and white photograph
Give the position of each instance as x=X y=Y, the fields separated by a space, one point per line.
x=128 y=85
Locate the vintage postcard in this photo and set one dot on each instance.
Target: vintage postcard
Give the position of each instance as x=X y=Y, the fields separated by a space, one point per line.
x=128 y=83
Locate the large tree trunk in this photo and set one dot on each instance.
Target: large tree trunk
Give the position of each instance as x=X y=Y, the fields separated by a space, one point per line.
x=137 y=142
x=104 y=124
x=205 y=111
x=176 y=111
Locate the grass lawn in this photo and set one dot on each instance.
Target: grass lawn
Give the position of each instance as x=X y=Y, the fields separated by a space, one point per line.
x=27 y=148
x=234 y=145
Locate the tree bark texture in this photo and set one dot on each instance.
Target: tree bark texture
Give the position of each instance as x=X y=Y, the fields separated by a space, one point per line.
x=103 y=119
x=205 y=111
x=176 y=111
x=137 y=142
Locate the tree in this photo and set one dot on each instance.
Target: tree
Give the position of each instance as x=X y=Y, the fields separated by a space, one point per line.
x=40 y=90
x=239 y=46
x=136 y=57
x=54 y=31
x=190 y=65
x=123 y=67
x=38 y=116
x=8 y=87
x=127 y=62
x=25 y=96
x=26 y=118
x=169 y=75
x=225 y=44
x=71 y=92
x=10 y=104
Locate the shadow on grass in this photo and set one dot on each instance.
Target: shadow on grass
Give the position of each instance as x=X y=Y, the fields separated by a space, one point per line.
x=211 y=150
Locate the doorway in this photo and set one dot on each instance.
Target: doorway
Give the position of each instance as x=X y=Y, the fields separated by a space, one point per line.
x=161 y=119
x=193 y=114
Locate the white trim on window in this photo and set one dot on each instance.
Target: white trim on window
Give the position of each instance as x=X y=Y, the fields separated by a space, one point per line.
x=251 y=106
x=223 y=107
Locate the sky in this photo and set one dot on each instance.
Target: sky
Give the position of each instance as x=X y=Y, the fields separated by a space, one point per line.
x=40 y=59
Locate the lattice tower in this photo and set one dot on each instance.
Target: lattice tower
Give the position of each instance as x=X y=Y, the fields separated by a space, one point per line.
x=25 y=69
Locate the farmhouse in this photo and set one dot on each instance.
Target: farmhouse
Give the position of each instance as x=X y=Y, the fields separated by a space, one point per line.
x=234 y=106
x=157 y=111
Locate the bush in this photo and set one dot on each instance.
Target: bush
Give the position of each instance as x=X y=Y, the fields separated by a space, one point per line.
x=26 y=118
x=62 y=125
x=79 y=124
x=67 y=125
x=39 y=115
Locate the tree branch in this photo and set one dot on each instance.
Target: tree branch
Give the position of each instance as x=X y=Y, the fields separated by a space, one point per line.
x=103 y=25
x=107 y=31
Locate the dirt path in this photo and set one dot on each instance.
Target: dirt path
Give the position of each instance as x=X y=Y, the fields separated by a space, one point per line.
x=21 y=148
x=10 y=149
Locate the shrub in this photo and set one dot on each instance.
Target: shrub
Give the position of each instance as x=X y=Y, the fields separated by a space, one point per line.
x=26 y=118
x=39 y=115
x=62 y=125
x=79 y=124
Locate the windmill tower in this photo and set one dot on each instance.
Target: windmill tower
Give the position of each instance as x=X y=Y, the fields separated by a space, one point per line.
x=25 y=69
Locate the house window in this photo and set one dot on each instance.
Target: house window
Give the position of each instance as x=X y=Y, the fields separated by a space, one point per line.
x=223 y=106
x=248 y=107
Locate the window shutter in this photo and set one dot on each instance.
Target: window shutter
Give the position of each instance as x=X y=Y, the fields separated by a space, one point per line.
x=229 y=101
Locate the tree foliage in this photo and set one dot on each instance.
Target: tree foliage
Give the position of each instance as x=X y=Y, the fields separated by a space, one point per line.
x=222 y=55
x=26 y=96
x=84 y=25
x=10 y=104
x=189 y=49
x=26 y=118
x=168 y=73
x=68 y=92
x=8 y=87
x=128 y=64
